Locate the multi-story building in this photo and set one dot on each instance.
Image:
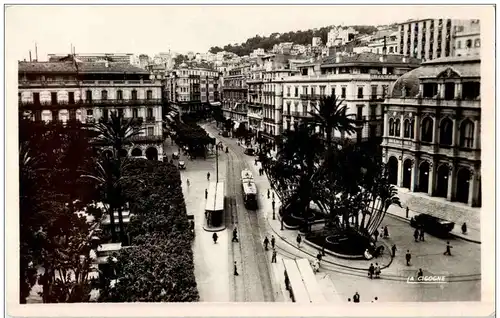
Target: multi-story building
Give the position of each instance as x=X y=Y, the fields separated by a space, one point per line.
x=190 y=88
x=235 y=94
x=340 y=36
x=361 y=81
x=426 y=39
x=432 y=130
x=96 y=57
x=88 y=92
x=144 y=61
x=389 y=42
x=255 y=96
x=467 y=37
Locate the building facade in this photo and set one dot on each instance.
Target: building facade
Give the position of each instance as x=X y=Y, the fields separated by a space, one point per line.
x=426 y=39
x=235 y=94
x=96 y=57
x=89 y=92
x=361 y=81
x=467 y=38
x=432 y=130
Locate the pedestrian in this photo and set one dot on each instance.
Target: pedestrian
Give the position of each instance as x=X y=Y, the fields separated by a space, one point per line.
x=349 y=299
x=448 y=249
x=386 y=232
x=208 y=176
x=299 y=239
x=407 y=212
x=273 y=204
x=235 y=269
x=273 y=241
x=464 y=228
x=206 y=194
x=394 y=249
x=255 y=161
x=287 y=281
x=421 y=236
x=420 y=273
x=375 y=234
x=408 y=258
x=371 y=271
x=273 y=195
x=188 y=183
x=355 y=298
x=319 y=256
x=215 y=237
x=266 y=242
x=273 y=258
x=268 y=193
x=416 y=234
x=377 y=271
x=235 y=235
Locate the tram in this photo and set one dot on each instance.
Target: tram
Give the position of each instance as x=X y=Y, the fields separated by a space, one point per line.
x=249 y=189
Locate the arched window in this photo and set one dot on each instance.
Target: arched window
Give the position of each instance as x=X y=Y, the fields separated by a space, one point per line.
x=468 y=44
x=427 y=128
x=446 y=132
x=397 y=127
x=391 y=127
x=104 y=95
x=467 y=134
x=408 y=128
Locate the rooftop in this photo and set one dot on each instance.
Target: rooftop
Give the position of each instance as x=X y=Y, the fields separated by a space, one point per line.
x=83 y=67
x=369 y=58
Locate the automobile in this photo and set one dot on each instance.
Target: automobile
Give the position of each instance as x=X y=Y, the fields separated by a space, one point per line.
x=432 y=225
x=182 y=165
x=225 y=134
x=250 y=151
x=175 y=155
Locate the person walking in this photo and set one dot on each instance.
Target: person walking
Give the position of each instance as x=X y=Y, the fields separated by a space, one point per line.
x=407 y=212
x=215 y=237
x=421 y=234
x=464 y=228
x=371 y=271
x=235 y=235
x=355 y=298
x=268 y=193
x=408 y=258
x=188 y=183
x=394 y=249
x=299 y=239
x=420 y=273
x=273 y=196
x=273 y=241
x=319 y=256
x=416 y=234
x=235 y=269
x=386 y=232
x=273 y=258
x=448 y=249
x=377 y=271
x=206 y=194
x=376 y=233
x=266 y=243
x=273 y=204
x=208 y=176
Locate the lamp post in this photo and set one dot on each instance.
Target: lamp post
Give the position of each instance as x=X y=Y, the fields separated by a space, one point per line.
x=217 y=161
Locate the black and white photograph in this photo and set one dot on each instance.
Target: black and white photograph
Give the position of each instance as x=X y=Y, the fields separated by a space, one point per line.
x=324 y=155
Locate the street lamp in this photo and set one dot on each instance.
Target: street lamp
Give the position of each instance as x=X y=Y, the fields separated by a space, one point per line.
x=217 y=161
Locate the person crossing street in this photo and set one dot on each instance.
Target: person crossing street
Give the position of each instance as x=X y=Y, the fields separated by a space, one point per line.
x=273 y=258
x=273 y=241
x=208 y=176
x=266 y=243
x=215 y=237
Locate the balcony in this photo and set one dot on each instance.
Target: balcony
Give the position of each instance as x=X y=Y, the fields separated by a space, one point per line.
x=259 y=105
x=268 y=120
x=150 y=119
x=305 y=96
x=142 y=138
x=90 y=103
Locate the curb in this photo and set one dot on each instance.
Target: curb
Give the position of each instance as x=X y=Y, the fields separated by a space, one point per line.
x=353 y=257
x=214 y=229
x=452 y=234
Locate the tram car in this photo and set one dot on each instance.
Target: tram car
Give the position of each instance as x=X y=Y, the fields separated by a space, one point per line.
x=249 y=189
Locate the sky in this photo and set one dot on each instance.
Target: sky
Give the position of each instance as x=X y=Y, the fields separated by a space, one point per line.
x=154 y=29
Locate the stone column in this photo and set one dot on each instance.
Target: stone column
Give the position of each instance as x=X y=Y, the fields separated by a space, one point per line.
x=401 y=126
x=414 y=174
x=451 y=183
x=455 y=131
x=432 y=178
x=416 y=127
x=386 y=124
x=441 y=90
x=473 y=185
x=400 y=172
x=458 y=91
x=477 y=134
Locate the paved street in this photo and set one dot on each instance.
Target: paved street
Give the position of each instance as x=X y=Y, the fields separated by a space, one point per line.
x=339 y=280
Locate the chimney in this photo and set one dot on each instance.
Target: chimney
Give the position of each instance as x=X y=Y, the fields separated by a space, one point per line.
x=30 y=56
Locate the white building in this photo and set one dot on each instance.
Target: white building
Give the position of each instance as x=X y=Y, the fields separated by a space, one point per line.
x=467 y=38
x=340 y=36
x=316 y=41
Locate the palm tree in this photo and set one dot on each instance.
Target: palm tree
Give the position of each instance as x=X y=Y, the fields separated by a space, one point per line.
x=117 y=132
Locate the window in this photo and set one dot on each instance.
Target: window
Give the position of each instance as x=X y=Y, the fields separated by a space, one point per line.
x=71 y=97
x=36 y=98
x=449 y=91
x=360 y=92
x=288 y=91
x=313 y=91
x=322 y=90
x=53 y=97
x=430 y=90
x=119 y=94
x=151 y=131
x=90 y=112
x=385 y=88
x=134 y=95
x=446 y=132
x=373 y=111
x=408 y=128
x=120 y=112
x=397 y=127
x=391 y=49
x=88 y=95
x=333 y=91
x=459 y=44
x=477 y=43
x=296 y=91
x=135 y=113
x=359 y=115
x=427 y=129
x=468 y=44
x=304 y=90
x=374 y=91
x=471 y=90
x=149 y=94
x=344 y=92
x=105 y=114
x=104 y=95
x=467 y=134
x=150 y=112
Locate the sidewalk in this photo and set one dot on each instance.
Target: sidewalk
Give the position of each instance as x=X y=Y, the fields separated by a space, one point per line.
x=439 y=207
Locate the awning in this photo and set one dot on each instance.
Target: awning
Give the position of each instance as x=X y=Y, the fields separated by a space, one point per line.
x=216 y=104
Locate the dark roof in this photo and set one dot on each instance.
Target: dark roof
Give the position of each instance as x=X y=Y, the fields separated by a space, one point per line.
x=370 y=58
x=83 y=67
x=462 y=67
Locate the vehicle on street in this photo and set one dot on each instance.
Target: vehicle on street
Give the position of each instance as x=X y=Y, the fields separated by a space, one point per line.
x=250 y=151
x=175 y=155
x=249 y=189
x=301 y=281
x=214 y=208
x=432 y=225
x=182 y=165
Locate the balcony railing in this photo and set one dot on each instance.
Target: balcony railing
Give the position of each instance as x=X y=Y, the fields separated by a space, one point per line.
x=91 y=103
x=25 y=83
x=304 y=96
x=154 y=138
x=150 y=119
